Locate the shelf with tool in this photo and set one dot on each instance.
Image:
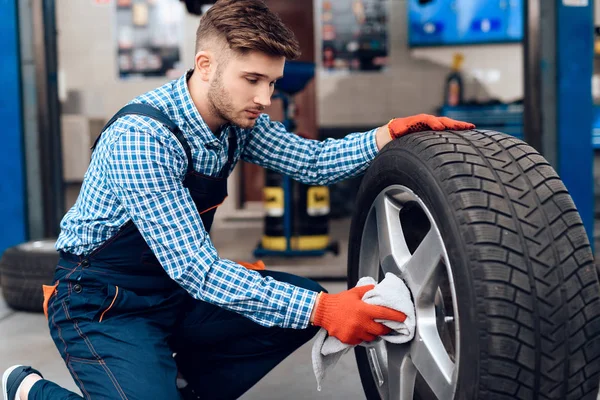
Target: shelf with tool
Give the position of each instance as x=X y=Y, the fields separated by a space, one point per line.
x=489 y=115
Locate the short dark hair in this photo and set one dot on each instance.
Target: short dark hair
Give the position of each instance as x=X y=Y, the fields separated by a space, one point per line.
x=247 y=25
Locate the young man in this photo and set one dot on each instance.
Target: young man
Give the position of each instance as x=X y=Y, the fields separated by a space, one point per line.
x=140 y=293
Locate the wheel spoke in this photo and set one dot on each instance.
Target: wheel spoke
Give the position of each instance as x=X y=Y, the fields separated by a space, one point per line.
x=378 y=362
x=393 y=250
x=432 y=361
x=402 y=372
x=369 y=253
x=422 y=269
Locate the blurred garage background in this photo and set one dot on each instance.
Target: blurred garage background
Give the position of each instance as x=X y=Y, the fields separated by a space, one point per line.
x=529 y=68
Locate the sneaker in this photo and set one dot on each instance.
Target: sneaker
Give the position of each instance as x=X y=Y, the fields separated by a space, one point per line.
x=12 y=379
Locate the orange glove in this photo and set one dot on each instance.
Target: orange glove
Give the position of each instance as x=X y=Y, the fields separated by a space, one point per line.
x=351 y=320
x=257 y=266
x=424 y=122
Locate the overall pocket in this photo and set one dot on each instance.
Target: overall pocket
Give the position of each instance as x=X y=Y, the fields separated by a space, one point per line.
x=91 y=302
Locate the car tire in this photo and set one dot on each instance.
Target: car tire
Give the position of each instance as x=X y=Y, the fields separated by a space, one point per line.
x=493 y=249
x=24 y=269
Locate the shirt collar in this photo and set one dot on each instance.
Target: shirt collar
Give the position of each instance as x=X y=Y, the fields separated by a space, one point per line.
x=187 y=109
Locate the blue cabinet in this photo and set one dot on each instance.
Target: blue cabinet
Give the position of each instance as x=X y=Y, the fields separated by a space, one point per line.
x=506 y=118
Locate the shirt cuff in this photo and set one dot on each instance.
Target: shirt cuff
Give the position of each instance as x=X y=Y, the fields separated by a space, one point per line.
x=300 y=307
x=369 y=145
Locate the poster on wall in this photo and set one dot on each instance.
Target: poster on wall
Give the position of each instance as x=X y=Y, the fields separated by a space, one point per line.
x=354 y=35
x=149 y=36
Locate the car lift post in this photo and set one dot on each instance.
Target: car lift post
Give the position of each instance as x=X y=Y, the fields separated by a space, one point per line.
x=558 y=61
x=12 y=181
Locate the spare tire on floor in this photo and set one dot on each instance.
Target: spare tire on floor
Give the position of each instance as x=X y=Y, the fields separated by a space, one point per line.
x=495 y=254
x=24 y=269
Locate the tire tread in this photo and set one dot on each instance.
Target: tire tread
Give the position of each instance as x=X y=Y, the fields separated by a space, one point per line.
x=513 y=204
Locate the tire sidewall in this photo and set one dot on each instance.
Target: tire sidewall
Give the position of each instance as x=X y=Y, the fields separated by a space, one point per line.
x=397 y=165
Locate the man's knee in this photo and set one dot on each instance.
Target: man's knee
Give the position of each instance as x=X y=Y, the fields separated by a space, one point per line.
x=295 y=338
x=295 y=280
x=311 y=331
x=309 y=284
x=312 y=285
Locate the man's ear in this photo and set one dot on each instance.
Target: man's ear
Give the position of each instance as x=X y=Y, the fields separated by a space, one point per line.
x=204 y=64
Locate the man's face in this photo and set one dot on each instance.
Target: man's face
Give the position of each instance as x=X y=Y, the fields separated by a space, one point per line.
x=242 y=87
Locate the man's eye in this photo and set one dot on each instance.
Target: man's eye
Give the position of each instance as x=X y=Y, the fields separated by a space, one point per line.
x=272 y=83
x=252 y=81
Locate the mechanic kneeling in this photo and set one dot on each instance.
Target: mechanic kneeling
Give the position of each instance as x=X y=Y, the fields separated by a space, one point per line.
x=138 y=277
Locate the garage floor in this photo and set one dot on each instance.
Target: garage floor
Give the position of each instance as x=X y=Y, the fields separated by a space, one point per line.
x=25 y=338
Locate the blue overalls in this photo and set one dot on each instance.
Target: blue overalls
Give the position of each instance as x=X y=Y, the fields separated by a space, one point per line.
x=117 y=318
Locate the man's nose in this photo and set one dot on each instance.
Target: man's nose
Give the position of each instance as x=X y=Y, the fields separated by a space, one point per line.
x=263 y=98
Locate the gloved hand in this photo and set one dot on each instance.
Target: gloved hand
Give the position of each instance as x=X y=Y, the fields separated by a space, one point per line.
x=424 y=122
x=351 y=320
x=257 y=266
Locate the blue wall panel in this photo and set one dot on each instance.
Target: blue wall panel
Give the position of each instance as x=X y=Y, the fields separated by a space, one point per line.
x=12 y=180
x=575 y=33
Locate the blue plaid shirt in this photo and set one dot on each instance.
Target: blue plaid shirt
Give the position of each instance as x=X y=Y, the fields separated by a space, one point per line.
x=136 y=173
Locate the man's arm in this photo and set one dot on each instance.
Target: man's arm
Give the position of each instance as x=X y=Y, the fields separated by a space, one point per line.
x=329 y=161
x=146 y=178
x=310 y=161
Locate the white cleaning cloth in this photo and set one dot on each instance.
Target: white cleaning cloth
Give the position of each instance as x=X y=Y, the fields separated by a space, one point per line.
x=390 y=292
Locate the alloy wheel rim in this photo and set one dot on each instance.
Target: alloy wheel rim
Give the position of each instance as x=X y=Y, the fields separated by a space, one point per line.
x=400 y=236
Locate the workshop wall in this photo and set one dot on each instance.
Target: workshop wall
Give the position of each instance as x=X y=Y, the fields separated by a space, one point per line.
x=414 y=80
x=412 y=84
x=87 y=51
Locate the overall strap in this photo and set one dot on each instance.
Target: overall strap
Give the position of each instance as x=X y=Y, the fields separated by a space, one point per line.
x=157 y=115
x=232 y=140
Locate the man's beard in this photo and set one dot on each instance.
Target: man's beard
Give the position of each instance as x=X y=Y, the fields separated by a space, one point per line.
x=222 y=106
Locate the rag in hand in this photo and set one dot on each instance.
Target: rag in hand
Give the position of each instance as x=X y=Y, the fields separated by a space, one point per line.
x=391 y=292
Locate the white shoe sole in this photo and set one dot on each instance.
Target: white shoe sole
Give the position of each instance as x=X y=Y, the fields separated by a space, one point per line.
x=5 y=380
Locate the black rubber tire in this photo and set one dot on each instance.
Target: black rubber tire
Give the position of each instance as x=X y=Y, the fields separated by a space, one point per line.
x=526 y=285
x=24 y=269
